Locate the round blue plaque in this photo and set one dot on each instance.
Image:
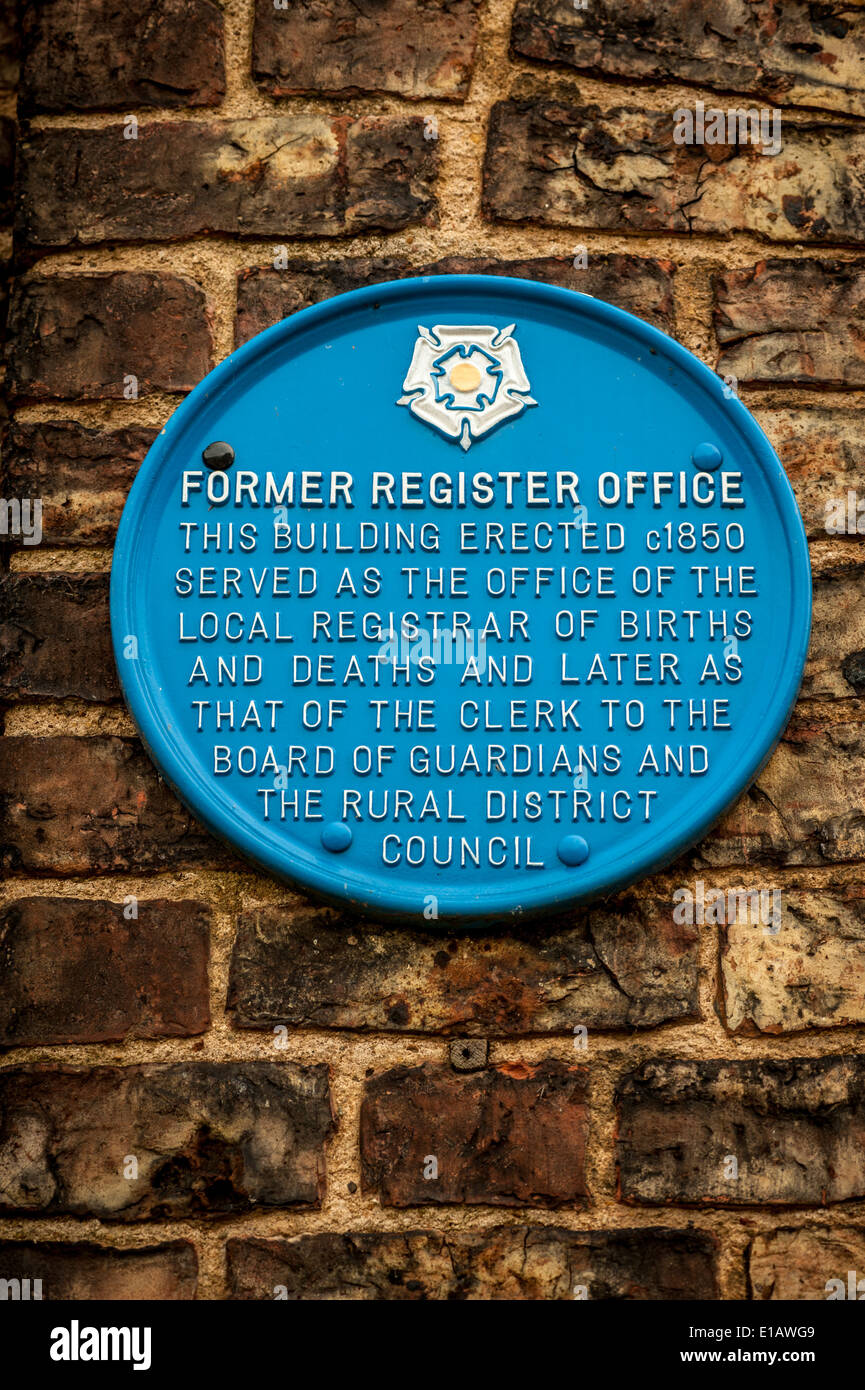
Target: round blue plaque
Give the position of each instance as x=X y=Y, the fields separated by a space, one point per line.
x=460 y=598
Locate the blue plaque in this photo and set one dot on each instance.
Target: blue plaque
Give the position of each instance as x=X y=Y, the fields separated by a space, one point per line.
x=460 y=598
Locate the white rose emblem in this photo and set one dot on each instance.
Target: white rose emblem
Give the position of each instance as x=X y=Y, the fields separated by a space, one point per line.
x=465 y=381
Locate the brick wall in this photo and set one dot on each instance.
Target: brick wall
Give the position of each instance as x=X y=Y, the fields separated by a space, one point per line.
x=210 y=1086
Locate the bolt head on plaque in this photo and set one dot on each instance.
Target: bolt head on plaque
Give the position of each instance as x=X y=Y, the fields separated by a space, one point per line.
x=218 y=455
x=572 y=850
x=707 y=457
x=452 y=692
x=336 y=837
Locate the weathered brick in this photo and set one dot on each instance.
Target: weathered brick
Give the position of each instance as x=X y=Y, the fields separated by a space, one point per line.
x=793 y=322
x=836 y=659
x=81 y=337
x=106 y=54
x=502 y=1262
x=796 y=52
x=622 y=965
x=794 y=1127
x=513 y=1135
x=82 y=970
x=799 y=1263
x=55 y=638
x=93 y=805
x=264 y=296
x=805 y=806
x=210 y=1138
x=70 y=1271
x=853 y=671
x=821 y=452
x=810 y=974
x=81 y=475
x=552 y=160
x=7 y=168
x=9 y=45
x=415 y=48
x=284 y=176
x=4 y=307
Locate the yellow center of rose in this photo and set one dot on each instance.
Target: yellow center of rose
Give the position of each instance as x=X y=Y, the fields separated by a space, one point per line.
x=465 y=377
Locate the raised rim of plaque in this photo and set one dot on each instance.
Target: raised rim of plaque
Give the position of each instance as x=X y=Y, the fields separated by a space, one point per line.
x=329 y=876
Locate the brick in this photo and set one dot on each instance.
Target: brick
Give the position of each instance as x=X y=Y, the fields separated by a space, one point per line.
x=795 y=53
x=81 y=475
x=502 y=1262
x=93 y=805
x=513 y=1135
x=9 y=45
x=78 y=970
x=820 y=451
x=264 y=296
x=622 y=965
x=420 y=49
x=553 y=160
x=55 y=638
x=805 y=806
x=7 y=167
x=853 y=671
x=794 y=1126
x=4 y=307
x=211 y=1139
x=106 y=54
x=811 y=974
x=792 y=1263
x=836 y=659
x=80 y=337
x=792 y=322
x=285 y=176
x=70 y=1271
